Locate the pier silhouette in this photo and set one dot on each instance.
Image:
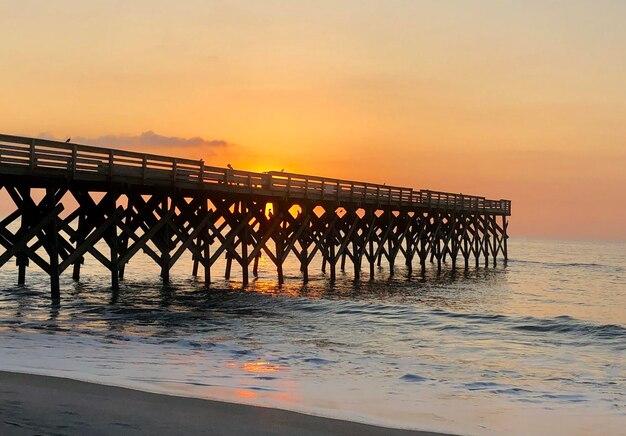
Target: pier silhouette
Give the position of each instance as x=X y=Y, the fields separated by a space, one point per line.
x=166 y=206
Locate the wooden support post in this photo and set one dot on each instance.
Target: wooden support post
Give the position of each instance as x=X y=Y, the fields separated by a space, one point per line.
x=304 y=262
x=124 y=239
x=166 y=242
x=198 y=246
x=55 y=287
x=53 y=250
x=207 y=258
x=329 y=246
x=205 y=240
x=255 y=267
x=505 y=236
x=433 y=231
x=244 y=247
x=378 y=259
x=390 y=249
x=331 y=256
x=22 y=263
x=372 y=260
x=486 y=240
x=408 y=253
x=437 y=241
x=196 y=261
x=280 y=246
x=115 y=271
x=410 y=249
x=304 y=243
x=373 y=222
x=357 y=241
x=466 y=248
x=229 y=265
x=201 y=240
x=494 y=239
x=82 y=222
x=113 y=245
x=477 y=244
x=438 y=250
x=22 y=258
x=423 y=252
x=279 y=271
x=454 y=241
x=411 y=241
x=357 y=257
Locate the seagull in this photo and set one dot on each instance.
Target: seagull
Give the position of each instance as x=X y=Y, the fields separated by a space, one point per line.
x=68 y=139
x=230 y=167
x=282 y=171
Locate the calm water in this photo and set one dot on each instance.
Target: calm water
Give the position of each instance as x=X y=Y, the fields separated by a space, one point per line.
x=534 y=347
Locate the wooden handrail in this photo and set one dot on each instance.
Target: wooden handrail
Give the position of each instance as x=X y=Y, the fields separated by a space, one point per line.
x=87 y=148
x=77 y=160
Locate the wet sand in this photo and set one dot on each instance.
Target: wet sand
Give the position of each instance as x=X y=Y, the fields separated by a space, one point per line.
x=32 y=404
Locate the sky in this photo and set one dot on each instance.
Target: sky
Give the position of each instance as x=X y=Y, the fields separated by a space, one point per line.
x=524 y=100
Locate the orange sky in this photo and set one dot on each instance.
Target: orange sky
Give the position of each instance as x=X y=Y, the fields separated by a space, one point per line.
x=520 y=100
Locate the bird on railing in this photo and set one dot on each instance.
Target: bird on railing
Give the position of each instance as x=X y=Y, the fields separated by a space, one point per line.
x=229 y=166
x=68 y=140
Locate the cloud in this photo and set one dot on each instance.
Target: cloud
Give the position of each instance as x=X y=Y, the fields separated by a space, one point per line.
x=148 y=141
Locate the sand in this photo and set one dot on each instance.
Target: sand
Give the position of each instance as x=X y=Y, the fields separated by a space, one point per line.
x=32 y=404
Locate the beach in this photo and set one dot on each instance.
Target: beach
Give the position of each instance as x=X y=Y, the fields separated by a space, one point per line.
x=33 y=404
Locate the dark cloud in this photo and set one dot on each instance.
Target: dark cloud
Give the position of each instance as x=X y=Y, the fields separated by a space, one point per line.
x=146 y=141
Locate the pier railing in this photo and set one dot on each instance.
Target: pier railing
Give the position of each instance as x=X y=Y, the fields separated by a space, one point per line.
x=41 y=157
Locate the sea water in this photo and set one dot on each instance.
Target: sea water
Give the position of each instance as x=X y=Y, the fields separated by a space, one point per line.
x=536 y=346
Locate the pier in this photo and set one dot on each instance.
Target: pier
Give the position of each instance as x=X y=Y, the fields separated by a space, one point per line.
x=67 y=198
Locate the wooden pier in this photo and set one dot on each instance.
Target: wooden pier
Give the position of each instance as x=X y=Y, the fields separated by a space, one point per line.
x=165 y=206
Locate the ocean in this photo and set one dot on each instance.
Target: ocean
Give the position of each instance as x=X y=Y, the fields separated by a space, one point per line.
x=533 y=347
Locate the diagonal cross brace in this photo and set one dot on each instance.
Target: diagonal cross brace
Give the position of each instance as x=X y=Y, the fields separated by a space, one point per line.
x=91 y=239
x=20 y=244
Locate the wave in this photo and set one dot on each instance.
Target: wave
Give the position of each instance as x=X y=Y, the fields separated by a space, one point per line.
x=590 y=265
x=563 y=324
x=580 y=328
x=559 y=324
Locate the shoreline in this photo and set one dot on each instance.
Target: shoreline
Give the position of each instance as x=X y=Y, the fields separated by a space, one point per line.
x=53 y=405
